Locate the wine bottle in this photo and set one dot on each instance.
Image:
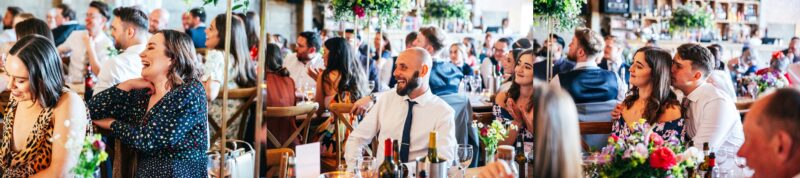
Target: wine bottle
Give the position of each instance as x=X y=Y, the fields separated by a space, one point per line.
x=388 y=169
x=403 y=169
x=711 y=163
x=520 y=158
x=433 y=156
x=88 y=83
x=706 y=160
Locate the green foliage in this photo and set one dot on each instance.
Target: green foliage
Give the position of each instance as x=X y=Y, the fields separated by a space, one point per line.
x=690 y=17
x=564 y=13
x=242 y=5
x=436 y=10
x=92 y=154
x=387 y=11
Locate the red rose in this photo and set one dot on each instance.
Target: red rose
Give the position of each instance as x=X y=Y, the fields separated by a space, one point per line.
x=484 y=131
x=615 y=137
x=662 y=158
x=359 y=11
x=656 y=139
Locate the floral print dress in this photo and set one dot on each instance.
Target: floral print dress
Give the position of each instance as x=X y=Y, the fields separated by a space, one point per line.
x=170 y=139
x=666 y=130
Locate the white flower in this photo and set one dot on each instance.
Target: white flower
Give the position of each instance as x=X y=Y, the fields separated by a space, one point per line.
x=480 y=125
x=694 y=154
x=503 y=132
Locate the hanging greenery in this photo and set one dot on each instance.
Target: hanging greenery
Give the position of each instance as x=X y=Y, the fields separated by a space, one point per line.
x=440 y=10
x=689 y=17
x=387 y=11
x=564 y=13
x=242 y=5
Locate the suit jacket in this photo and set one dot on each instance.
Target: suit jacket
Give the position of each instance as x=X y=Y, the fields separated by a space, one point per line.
x=465 y=133
x=61 y=33
x=560 y=66
x=623 y=69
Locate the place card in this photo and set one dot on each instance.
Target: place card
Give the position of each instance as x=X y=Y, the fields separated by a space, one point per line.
x=308 y=161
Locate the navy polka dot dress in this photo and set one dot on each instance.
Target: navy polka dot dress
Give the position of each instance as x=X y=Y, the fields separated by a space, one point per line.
x=170 y=139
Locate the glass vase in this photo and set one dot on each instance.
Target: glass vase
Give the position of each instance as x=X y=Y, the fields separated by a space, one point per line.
x=490 y=154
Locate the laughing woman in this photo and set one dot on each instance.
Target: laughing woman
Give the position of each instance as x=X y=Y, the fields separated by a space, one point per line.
x=42 y=115
x=162 y=116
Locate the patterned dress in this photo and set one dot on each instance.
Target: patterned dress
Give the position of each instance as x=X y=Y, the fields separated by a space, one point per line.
x=36 y=154
x=170 y=139
x=664 y=129
x=213 y=69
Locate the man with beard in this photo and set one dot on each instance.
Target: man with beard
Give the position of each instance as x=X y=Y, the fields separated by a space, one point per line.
x=613 y=60
x=588 y=83
x=158 y=20
x=88 y=46
x=409 y=112
x=555 y=46
x=129 y=29
x=66 y=24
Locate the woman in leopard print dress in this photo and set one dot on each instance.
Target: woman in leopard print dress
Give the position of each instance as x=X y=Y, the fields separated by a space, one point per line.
x=43 y=118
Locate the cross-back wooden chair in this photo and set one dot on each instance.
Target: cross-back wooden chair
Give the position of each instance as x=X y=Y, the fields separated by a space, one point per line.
x=248 y=95
x=276 y=164
x=339 y=110
x=307 y=109
x=594 y=128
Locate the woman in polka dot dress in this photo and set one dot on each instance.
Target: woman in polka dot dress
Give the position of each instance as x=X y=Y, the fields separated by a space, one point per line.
x=162 y=116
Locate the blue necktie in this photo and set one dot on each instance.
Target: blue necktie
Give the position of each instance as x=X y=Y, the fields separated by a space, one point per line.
x=406 y=142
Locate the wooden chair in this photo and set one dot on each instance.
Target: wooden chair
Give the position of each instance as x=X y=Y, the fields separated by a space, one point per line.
x=307 y=109
x=248 y=95
x=276 y=164
x=338 y=110
x=594 y=128
x=483 y=117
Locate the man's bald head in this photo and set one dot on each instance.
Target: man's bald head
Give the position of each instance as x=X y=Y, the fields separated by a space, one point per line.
x=412 y=72
x=417 y=58
x=158 y=20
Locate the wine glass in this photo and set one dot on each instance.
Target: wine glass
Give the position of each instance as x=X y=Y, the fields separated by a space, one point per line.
x=464 y=153
x=310 y=91
x=365 y=168
x=371 y=86
x=741 y=163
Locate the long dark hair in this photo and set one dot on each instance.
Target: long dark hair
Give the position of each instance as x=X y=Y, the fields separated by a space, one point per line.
x=661 y=97
x=513 y=91
x=185 y=66
x=388 y=46
x=342 y=58
x=274 y=61
x=33 y=26
x=242 y=64
x=471 y=47
x=250 y=28
x=39 y=56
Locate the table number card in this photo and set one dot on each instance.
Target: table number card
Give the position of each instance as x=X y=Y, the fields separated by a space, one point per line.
x=307 y=160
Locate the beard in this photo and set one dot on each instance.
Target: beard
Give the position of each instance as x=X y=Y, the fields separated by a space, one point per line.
x=117 y=45
x=411 y=84
x=572 y=57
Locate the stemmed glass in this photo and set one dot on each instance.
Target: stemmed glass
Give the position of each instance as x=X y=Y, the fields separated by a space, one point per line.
x=309 y=91
x=464 y=153
x=371 y=86
x=741 y=163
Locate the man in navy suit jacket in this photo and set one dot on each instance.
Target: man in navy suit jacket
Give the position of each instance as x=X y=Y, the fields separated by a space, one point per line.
x=65 y=19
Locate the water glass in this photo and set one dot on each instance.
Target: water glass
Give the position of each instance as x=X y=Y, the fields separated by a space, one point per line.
x=371 y=86
x=366 y=167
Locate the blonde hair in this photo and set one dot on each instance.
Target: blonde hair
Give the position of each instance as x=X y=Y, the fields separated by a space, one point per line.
x=557 y=147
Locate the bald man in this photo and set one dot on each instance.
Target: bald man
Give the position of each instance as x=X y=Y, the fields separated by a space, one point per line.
x=158 y=20
x=772 y=141
x=409 y=113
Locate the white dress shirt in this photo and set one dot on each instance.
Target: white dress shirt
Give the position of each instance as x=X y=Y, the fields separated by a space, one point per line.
x=722 y=80
x=77 y=60
x=622 y=88
x=794 y=74
x=8 y=35
x=713 y=118
x=299 y=71
x=387 y=118
x=125 y=66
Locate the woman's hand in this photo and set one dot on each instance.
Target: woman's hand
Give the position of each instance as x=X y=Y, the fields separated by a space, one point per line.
x=138 y=83
x=104 y=123
x=513 y=110
x=498 y=169
x=617 y=112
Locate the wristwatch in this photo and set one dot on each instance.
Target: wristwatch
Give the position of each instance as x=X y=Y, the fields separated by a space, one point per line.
x=372 y=98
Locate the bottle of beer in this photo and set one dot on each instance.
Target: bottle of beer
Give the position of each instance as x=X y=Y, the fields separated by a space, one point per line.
x=88 y=83
x=520 y=158
x=706 y=160
x=400 y=166
x=388 y=169
x=711 y=163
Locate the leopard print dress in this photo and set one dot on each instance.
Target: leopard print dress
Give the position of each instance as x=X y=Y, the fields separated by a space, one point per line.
x=36 y=155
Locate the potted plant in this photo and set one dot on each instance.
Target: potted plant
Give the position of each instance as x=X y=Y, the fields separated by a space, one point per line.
x=443 y=10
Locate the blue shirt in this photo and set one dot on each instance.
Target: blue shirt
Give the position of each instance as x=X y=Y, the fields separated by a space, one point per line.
x=198 y=35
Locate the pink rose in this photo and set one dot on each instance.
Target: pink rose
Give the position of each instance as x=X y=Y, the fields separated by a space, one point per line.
x=615 y=137
x=359 y=11
x=656 y=139
x=98 y=145
x=662 y=158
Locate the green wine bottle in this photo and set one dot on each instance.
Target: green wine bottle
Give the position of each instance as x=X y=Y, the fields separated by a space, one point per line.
x=388 y=169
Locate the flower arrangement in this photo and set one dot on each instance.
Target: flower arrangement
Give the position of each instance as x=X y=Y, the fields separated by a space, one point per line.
x=643 y=153
x=439 y=10
x=491 y=134
x=763 y=82
x=387 y=11
x=563 y=12
x=92 y=154
x=690 y=17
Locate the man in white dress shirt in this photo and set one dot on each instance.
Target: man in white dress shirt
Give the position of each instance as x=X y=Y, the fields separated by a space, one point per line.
x=408 y=113
x=129 y=29
x=710 y=114
x=772 y=145
x=307 y=57
x=88 y=46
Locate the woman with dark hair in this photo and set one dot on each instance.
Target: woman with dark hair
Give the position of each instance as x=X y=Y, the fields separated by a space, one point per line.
x=518 y=99
x=343 y=79
x=383 y=60
x=472 y=53
x=280 y=86
x=241 y=69
x=43 y=115
x=161 y=116
x=650 y=97
x=251 y=28
x=33 y=26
